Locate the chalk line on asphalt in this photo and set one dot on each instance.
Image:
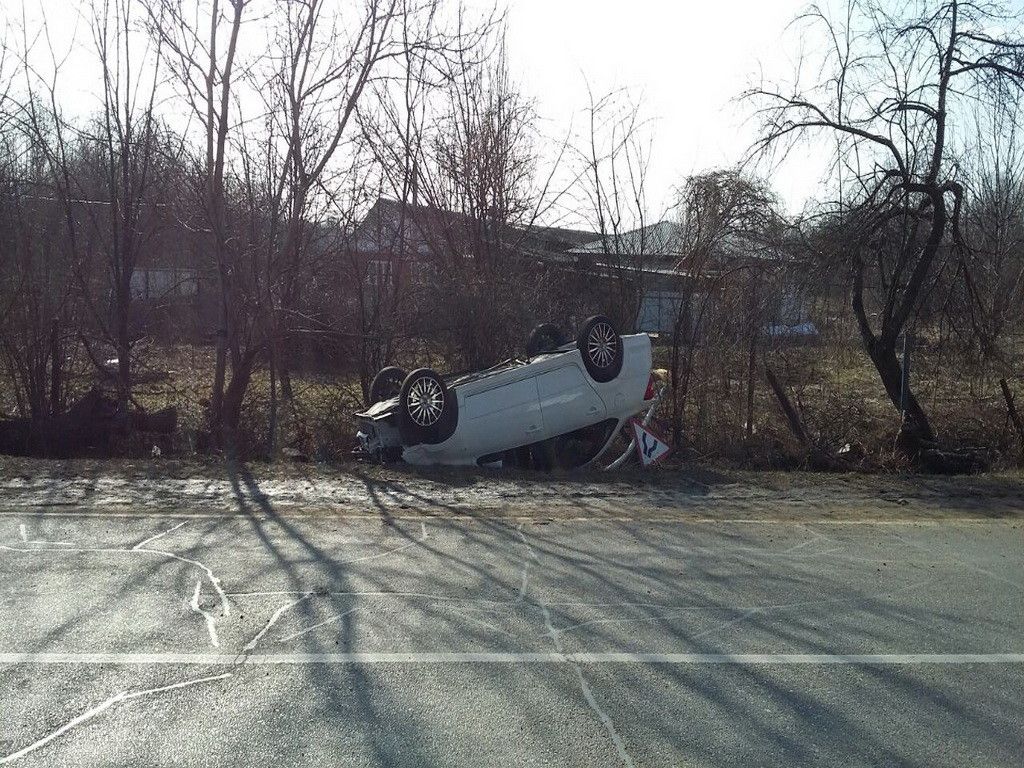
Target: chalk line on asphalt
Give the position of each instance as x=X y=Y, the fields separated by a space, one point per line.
x=99 y=709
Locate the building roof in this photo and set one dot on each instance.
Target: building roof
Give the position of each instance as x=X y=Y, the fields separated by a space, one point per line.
x=391 y=223
x=660 y=239
x=560 y=238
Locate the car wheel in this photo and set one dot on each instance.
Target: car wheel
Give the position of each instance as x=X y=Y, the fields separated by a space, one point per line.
x=546 y=337
x=601 y=348
x=427 y=409
x=386 y=384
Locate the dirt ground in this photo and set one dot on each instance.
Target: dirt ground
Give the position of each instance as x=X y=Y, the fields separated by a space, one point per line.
x=218 y=488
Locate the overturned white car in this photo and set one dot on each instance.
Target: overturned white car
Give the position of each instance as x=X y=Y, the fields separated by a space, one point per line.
x=559 y=408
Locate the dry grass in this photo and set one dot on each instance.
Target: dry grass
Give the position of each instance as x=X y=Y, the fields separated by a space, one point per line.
x=317 y=423
x=842 y=403
x=833 y=385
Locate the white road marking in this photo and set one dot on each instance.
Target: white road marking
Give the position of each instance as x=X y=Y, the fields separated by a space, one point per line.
x=31 y=511
x=24 y=532
x=339 y=514
x=151 y=539
x=427 y=657
x=89 y=714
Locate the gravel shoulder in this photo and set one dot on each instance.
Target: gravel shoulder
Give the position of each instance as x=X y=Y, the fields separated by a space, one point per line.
x=193 y=488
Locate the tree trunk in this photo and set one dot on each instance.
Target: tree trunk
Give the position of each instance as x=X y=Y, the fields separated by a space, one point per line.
x=286 y=383
x=56 y=369
x=124 y=375
x=231 y=409
x=916 y=427
x=681 y=333
x=1011 y=409
x=796 y=426
x=293 y=249
x=272 y=420
x=677 y=420
x=217 y=393
x=280 y=367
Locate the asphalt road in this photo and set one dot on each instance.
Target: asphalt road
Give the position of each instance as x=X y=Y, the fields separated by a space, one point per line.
x=162 y=639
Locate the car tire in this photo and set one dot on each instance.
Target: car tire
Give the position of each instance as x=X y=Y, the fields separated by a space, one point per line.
x=387 y=384
x=601 y=348
x=427 y=409
x=546 y=337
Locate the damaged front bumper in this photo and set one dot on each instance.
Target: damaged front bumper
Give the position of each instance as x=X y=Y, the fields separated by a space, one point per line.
x=378 y=441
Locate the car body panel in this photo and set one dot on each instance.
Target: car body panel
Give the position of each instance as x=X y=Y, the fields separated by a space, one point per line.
x=519 y=404
x=567 y=400
x=500 y=416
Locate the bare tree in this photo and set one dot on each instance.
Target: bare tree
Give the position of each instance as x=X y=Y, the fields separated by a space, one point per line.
x=613 y=156
x=728 y=227
x=892 y=83
x=460 y=154
x=992 y=261
x=127 y=139
x=204 y=65
x=39 y=303
x=320 y=61
x=42 y=298
x=479 y=165
x=324 y=59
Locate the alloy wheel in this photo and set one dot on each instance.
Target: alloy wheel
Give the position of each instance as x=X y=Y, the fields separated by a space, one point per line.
x=602 y=343
x=426 y=401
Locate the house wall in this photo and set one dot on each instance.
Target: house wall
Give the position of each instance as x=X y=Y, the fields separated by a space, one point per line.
x=164 y=282
x=658 y=311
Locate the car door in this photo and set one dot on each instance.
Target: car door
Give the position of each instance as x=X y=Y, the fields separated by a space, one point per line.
x=502 y=417
x=567 y=400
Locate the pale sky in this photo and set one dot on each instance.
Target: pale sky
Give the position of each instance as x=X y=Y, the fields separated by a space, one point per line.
x=688 y=61
x=685 y=61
